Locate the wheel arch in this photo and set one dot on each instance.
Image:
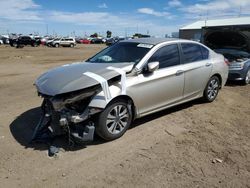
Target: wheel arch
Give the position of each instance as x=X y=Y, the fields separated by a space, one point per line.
x=218 y=76
x=100 y=102
x=128 y=99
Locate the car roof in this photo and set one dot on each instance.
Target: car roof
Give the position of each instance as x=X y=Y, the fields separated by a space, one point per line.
x=153 y=41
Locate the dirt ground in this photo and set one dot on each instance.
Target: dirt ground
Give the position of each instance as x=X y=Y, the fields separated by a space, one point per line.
x=173 y=148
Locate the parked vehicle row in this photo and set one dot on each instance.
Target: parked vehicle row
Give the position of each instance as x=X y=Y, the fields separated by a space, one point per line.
x=20 y=41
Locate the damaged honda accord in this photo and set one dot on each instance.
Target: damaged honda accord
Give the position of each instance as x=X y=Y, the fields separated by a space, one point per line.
x=125 y=81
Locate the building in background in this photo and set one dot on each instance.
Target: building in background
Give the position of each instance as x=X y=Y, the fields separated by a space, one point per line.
x=175 y=34
x=195 y=30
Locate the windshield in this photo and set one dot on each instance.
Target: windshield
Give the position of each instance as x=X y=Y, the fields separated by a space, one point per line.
x=232 y=54
x=122 y=52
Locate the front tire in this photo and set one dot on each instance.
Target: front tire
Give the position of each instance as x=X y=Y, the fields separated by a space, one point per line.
x=114 y=121
x=212 y=89
x=247 y=78
x=57 y=45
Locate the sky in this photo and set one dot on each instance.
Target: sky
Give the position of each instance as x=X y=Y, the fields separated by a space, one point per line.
x=122 y=17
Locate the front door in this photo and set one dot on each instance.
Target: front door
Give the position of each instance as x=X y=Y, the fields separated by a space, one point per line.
x=154 y=91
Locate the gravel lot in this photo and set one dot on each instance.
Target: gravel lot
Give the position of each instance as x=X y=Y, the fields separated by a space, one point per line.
x=174 y=148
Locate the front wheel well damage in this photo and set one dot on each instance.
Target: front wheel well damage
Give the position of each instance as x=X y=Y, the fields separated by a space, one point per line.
x=128 y=100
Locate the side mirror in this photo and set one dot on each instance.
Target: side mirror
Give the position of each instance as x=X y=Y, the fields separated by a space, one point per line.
x=152 y=66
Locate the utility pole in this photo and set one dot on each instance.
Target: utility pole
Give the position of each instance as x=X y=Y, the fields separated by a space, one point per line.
x=47 y=29
x=126 y=32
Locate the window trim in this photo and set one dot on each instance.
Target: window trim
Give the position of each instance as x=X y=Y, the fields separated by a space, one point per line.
x=202 y=52
x=183 y=56
x=179 y=53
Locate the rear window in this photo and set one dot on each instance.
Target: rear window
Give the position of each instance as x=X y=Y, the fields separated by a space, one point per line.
x=191 y=52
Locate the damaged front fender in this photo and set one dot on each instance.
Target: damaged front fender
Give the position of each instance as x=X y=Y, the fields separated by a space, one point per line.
x=71 y=113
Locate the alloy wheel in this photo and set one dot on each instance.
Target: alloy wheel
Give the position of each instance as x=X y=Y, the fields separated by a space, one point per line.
x=117 y=119
x=213 y=88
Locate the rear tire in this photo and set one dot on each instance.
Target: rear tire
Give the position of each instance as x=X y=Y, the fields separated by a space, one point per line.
x=72 y=45
x=57 y=45
x=114 y=121
x=212 y=89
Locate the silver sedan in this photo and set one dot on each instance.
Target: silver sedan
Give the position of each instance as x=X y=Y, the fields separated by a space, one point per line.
x=125 y=81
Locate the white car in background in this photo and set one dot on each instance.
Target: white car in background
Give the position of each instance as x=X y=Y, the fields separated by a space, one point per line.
x=65 y=42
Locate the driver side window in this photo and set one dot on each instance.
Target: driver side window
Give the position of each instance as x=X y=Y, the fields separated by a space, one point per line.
x=167 y=56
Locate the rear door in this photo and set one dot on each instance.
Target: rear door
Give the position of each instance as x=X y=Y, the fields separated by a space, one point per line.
x=162 y=87
x=63 y=42
x=197 y=68
x=24 y=40
x=27 y=40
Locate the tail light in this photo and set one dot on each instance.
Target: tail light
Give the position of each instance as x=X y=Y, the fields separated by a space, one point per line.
x=226 y=61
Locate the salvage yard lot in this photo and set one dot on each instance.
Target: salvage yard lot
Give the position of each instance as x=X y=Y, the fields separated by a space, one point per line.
x=173 y=148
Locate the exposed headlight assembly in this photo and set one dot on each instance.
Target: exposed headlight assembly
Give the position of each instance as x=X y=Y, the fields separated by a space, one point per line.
x=236 y=66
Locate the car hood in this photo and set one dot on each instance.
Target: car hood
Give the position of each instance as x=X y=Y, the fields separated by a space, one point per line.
x=70 y=77
x=232 y=39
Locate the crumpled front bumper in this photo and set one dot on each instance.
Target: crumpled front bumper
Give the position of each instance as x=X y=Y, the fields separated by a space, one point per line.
x=78 y=127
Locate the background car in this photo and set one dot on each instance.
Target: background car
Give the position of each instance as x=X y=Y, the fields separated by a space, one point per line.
x=113 y=40
x=125 y=81
x=239 y=64
x=22 y=41
x=5 y=39
x=96 y=41
x=85 y=41
x=50 y=41
x=65 y=42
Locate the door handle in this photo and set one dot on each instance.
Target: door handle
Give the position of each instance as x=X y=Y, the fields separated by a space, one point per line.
x=179 y=72
x=208 y=64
